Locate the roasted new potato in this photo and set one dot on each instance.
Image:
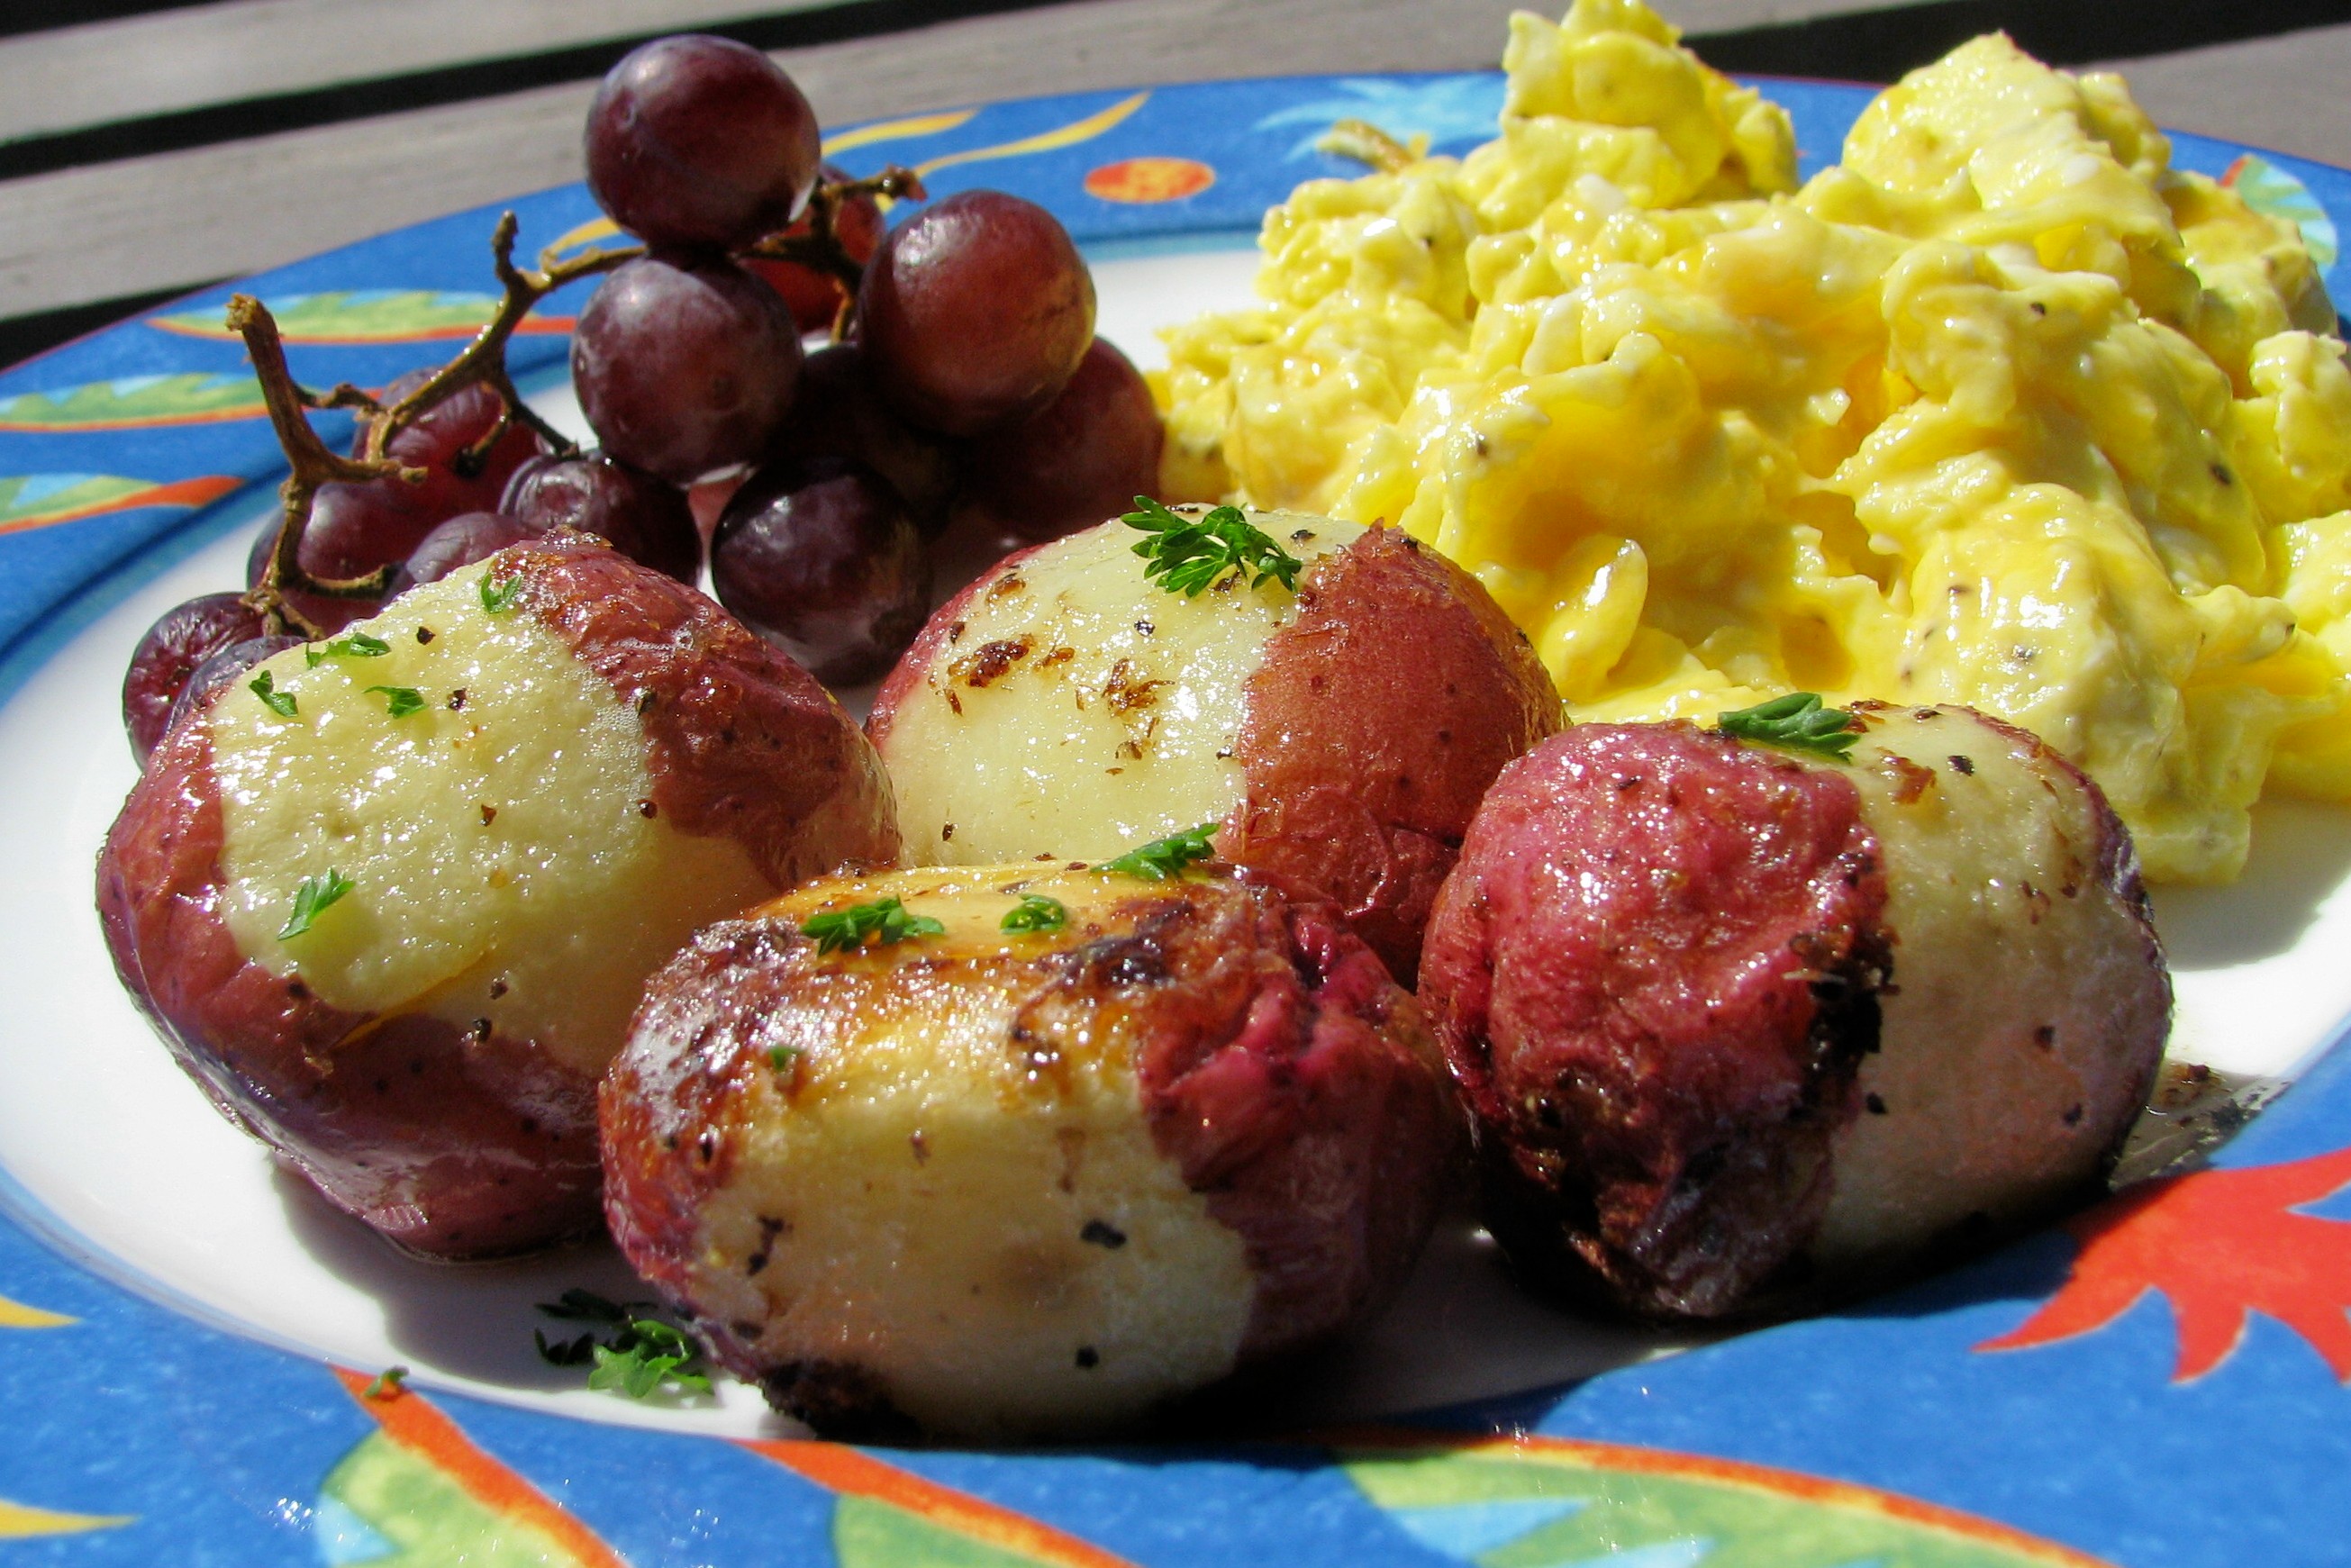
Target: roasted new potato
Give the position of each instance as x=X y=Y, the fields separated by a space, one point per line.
x=1730 y=1016
x=391 y=898
x=989 y=1183
x=1065 y=705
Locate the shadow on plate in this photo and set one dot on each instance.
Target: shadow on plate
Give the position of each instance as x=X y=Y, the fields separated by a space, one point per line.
x=465 y=1320
x=2301 y=854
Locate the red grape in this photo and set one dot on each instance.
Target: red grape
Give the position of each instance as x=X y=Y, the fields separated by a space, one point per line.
x=684 y=365
x=821 y=559
x=836 y=413
x=354 y=530
x=1086 y=457
x=462 y=541
x=700 y=141
x=221 y=669
x=645 y=519
x=439 y=436
x=975 y=311
x=181 y=640
x=816 y=298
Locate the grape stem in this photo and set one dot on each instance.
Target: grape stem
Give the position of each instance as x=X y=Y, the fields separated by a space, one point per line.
x=310 y=463
x=819 y=247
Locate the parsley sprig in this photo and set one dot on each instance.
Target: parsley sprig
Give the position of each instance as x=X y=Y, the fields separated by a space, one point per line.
x=498 y=594
x=351 y=646
x=399 y=702
x=1034 y=913
x=642 y=1356
x=1796 y=721
x=884 y=919
x=1162 y=860
x=265 y=687
x=1189 y=554
x=310 y=900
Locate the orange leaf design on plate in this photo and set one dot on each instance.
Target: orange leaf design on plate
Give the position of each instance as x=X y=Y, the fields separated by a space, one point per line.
x=1142 y=180
x=2218 y=1244
x=974 y=1524
x=413 y=1422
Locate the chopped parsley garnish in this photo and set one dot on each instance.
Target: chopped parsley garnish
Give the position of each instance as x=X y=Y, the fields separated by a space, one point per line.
x=885 y=919
x=1162 y=860
x=310 y=900
x=642 y=1356
x=351 y=646
x=1189 y=554
x=1034 y=913
x=389 y=1384
x=1796 y=721
x=498 y=594
x=399 y=702
x=265 y=687
x=781 y=1057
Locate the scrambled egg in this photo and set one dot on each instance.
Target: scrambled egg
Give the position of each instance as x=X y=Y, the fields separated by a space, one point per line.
x=2001 y=411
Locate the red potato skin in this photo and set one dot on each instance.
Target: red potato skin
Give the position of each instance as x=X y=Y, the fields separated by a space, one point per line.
x=1374 y=725
x=744 y=744
x=448 y=1141
x=1285 y=1074
x=1654 y=973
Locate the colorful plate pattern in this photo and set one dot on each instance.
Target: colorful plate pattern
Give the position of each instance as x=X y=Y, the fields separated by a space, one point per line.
x=2160 y=1385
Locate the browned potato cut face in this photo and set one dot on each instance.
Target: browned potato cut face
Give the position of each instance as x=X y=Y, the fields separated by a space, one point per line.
x=992 y=1185
x=396 y=906
x=1342 y=736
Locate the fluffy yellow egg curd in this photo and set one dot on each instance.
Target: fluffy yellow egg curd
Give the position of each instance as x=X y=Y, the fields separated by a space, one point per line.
x=2002 y=410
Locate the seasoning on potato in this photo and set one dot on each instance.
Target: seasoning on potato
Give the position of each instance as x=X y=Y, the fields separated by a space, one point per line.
x=1733 y=1014
x=1019 y=1151
x=1334 y=699
x=2002 y=410
x=393 y=899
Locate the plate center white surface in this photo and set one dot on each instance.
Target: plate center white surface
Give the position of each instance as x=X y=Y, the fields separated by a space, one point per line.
x=113 y=1148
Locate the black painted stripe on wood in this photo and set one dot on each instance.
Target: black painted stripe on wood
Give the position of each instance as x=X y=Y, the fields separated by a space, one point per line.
x=43 y=16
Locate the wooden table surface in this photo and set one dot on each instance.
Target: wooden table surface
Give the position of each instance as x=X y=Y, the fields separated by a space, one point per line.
x=148 y=148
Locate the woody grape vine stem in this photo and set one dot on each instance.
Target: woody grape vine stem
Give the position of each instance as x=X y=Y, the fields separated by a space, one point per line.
x=310 y=463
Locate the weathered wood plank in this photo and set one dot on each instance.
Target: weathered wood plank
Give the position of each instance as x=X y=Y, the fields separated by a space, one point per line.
x=140 y=66
x=2285 y=92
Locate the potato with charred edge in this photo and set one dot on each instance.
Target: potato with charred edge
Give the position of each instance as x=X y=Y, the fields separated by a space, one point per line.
x=390 y=898
x=1340 y=735
x=1009 y=1152
x=1732 y=1017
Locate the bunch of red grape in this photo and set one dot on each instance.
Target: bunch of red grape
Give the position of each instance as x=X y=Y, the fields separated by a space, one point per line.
x=965 y=385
